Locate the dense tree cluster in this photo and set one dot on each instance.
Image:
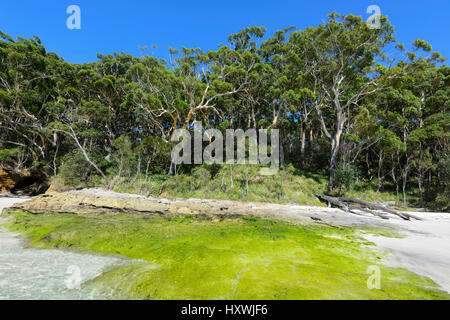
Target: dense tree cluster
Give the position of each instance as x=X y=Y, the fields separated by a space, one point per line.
x=341 y=103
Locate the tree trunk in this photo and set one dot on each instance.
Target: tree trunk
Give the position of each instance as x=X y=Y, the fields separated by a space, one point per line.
x=282 y=163
x=420 y=180
x=345 y=205
x=172 y=169
x=146 y=168
x=246 y=180
x=405 y=177
x=335 y=143
x=302 y=143
x=86 y=156
x=394 y=178
x=380 y=173
x=231 y=176
x=138 y=170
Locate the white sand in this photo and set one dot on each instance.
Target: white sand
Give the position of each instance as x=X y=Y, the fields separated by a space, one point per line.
x=426 y=248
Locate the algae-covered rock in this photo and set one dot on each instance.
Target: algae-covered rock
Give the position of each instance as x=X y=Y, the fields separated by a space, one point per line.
x=105 y=203
x=99 y=201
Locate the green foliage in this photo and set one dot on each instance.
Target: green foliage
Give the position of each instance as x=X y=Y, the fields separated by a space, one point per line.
x=75 y=171
x=325 y=87
x=158 y=153
x=124 y=156
x=6 y=155
x=94 y=111
x=441 y=197
x=289 y=186
x=345 y=176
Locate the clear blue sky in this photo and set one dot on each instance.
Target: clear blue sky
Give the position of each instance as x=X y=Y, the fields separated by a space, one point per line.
x=115 y=26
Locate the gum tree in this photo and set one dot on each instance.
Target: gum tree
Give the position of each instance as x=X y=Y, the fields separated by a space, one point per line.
x=341 y=58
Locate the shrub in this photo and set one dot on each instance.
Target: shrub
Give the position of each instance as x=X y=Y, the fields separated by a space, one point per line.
x=345 y=176
x=76 y=171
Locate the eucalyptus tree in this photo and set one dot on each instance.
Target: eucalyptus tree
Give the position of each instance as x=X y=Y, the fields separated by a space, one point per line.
x=248 y=107
x=413 y=91
x=155 y=95
x=331 y=84
x=209 y=77
x=341 y=58
x=29 y=77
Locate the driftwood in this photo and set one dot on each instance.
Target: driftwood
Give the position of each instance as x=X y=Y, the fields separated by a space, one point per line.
x=375 y=213
x=351 y=204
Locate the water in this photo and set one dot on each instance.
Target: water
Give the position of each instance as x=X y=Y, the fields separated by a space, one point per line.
x=32 y=274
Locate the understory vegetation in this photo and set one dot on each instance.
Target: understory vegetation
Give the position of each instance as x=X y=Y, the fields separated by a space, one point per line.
x=209 y=257
x=243 y=183
x=247 y=184
x=356 y=111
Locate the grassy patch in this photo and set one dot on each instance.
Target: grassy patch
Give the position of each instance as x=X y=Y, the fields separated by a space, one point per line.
x=241 y=258
x=287 y=186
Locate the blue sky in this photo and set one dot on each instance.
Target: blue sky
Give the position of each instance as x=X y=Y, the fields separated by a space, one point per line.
x=115 y=26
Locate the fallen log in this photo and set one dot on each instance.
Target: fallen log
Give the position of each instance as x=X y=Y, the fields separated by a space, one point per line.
x=334 y=201
x=337 y=203
x=375 y=206
x=347 y=205
x=377 y=214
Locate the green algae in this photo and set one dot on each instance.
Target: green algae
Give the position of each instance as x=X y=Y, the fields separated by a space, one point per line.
x=199 y=257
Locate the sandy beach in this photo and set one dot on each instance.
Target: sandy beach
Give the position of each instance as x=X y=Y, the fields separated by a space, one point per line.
x=424 y=249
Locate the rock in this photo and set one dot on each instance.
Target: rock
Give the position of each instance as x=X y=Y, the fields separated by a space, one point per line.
x=25 y=182
x=54 y=187
x=29 y=182
x=184 y=210
x=103 y=202
x=7 y=180
x=99 y=201
x=55 y=202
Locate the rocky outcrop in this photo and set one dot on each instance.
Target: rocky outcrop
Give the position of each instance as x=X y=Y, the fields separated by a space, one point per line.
x=24 y=182
x=99 y=201
x=55 y=187
x=88 y=202
x=7 y=181
x=68 y=202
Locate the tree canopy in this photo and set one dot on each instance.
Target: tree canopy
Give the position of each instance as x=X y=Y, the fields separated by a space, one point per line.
x=337 y=92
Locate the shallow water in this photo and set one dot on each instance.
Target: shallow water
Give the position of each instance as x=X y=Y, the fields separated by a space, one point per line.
x=28 y=273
